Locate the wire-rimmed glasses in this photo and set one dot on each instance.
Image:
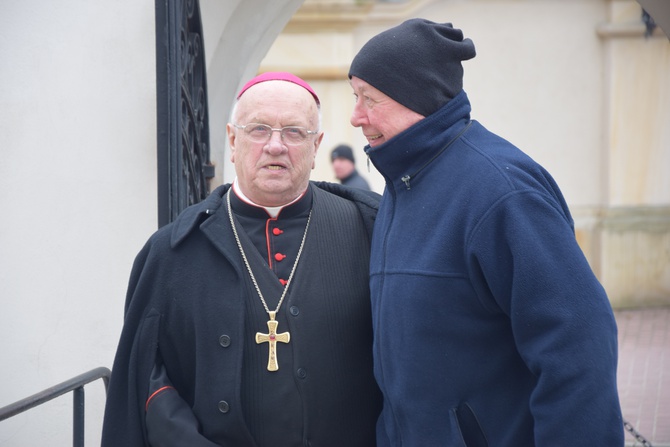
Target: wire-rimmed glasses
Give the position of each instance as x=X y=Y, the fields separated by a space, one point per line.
x=290 y=135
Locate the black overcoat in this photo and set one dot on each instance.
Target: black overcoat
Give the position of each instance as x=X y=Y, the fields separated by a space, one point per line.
x=185 y=309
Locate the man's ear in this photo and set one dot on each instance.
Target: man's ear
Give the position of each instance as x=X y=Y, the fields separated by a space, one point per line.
x=230 y=131
x=317 y=143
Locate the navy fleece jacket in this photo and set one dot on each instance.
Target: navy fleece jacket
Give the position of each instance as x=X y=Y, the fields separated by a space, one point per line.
x=490 y=326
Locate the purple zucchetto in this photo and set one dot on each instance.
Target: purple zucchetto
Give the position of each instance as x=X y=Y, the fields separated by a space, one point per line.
x=279 y=76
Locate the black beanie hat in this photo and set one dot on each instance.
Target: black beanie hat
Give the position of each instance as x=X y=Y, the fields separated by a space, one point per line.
x=417 y=63
x=342 y=151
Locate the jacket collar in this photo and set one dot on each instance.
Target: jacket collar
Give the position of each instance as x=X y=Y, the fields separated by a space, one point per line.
x=214 y=206
x=408 y=152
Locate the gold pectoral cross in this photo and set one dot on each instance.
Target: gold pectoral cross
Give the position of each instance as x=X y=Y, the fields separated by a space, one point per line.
x=272 y=338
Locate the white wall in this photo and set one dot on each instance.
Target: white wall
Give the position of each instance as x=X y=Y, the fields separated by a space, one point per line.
x=77 y=196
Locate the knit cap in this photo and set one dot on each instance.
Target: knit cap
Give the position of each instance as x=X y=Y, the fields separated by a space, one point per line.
x=417 y=63
x=342 y=151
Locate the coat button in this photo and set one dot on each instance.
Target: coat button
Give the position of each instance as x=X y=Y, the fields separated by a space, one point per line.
x=224 y=407
x=276 y=231
x=301 y=373
x=224 y=340
x=279 y=257
x=294 y=310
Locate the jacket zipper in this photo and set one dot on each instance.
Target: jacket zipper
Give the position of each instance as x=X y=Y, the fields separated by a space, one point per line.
x=406 y=178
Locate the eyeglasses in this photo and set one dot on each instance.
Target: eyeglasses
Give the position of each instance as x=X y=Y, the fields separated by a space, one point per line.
x=290 y=135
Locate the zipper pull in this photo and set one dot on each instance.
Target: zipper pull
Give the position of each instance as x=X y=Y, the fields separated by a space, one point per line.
x=405 y=179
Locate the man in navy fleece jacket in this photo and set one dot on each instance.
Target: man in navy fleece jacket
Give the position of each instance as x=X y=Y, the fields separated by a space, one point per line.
x=490 y=327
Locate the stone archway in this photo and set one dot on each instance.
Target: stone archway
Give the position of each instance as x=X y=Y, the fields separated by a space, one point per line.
x=238 y=34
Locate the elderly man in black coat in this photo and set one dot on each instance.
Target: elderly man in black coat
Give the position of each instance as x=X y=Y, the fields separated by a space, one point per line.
x=247 y=320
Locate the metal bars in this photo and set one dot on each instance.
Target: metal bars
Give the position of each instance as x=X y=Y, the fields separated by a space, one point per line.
x=76 y=385
x=184 y=166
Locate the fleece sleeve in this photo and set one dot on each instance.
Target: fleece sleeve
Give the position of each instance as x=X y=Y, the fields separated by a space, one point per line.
x=561 y=318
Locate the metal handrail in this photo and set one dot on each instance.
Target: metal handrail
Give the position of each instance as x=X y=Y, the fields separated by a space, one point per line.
x=76 y=385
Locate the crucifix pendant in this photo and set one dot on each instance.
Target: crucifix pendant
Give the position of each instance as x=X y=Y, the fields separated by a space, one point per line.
x=272 y=338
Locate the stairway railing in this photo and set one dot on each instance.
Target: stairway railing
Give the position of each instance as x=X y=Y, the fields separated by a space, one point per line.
x=76 y=385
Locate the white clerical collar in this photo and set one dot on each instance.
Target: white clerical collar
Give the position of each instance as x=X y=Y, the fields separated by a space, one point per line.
x=273 y=211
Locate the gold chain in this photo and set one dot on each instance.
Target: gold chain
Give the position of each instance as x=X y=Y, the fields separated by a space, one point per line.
x=246 y=262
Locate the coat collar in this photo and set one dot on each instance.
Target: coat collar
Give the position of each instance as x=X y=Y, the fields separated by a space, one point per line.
x=213 y=209
x=196 y=214
x=411 y=150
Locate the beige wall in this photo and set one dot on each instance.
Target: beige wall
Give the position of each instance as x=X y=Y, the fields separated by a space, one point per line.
x=633 y=232
x=573 y=83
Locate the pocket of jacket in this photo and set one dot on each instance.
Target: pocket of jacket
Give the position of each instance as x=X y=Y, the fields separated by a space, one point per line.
x=471 y=431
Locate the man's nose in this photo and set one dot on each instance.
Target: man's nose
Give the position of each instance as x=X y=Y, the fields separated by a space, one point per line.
x=275 y=144
x=357 y=116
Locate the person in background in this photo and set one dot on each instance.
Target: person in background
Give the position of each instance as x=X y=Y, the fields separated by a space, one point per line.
x=490 y=328
x=247 y=319
x=344 y=165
